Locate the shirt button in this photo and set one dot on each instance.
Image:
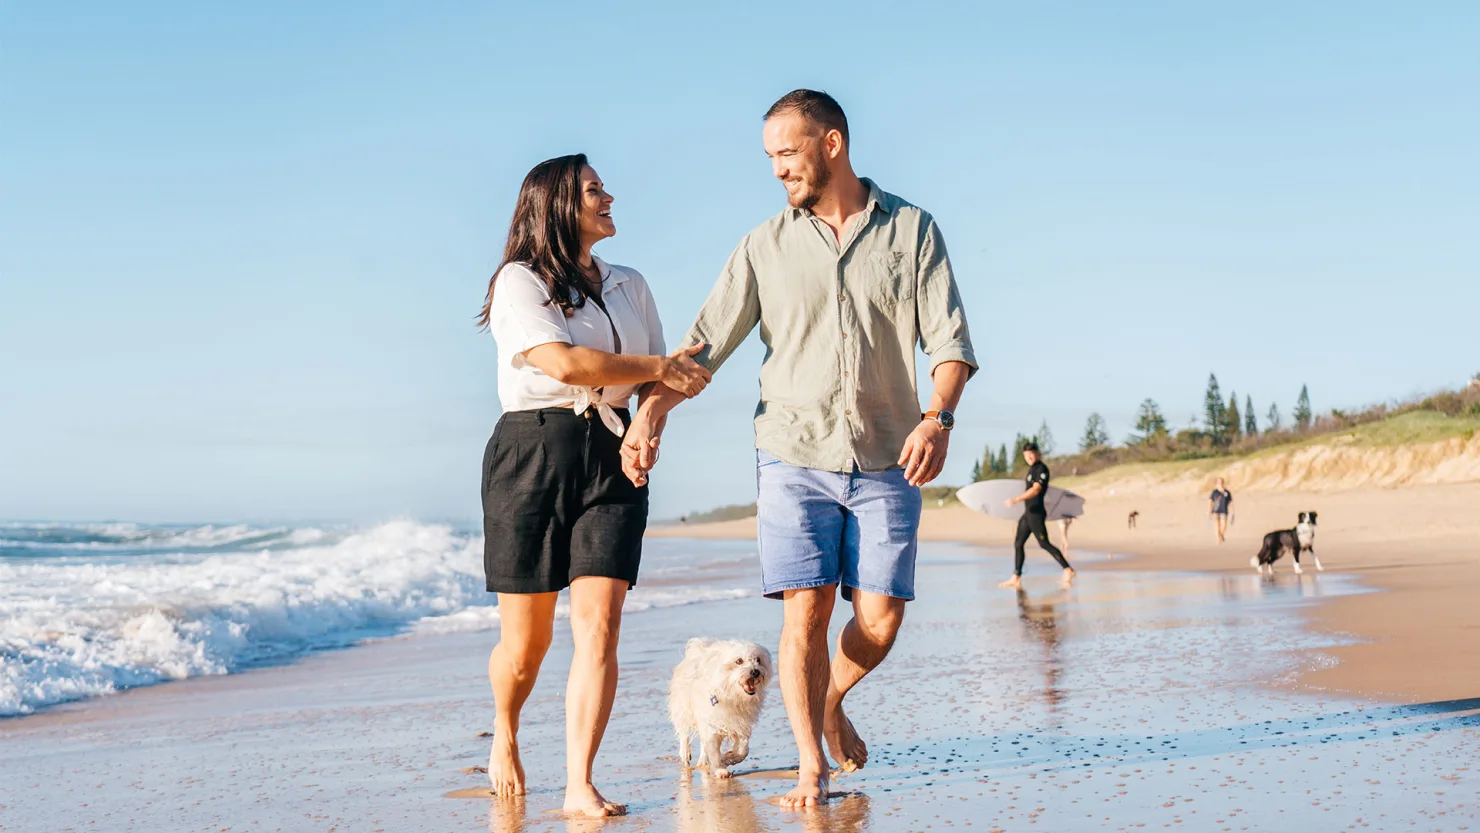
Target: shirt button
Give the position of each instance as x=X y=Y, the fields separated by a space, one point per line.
x=848 y=412
x=845 y=334
x=845 y=373
x=842 y=297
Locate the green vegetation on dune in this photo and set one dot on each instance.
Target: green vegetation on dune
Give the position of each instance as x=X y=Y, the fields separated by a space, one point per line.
x=1417 y=427
x=1225 y=437
x=1408 y=428
x=723 y=513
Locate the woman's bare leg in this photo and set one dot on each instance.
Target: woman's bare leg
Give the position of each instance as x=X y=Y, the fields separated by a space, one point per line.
x=595 y=625
x=525 y=626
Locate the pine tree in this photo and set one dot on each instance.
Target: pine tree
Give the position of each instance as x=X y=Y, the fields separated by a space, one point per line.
x=1045 y=440
x=1302 y=414
x=976 y=470
x=1213 y=410
x=1233 y=422
x=1251 y=426
x=1272 y=419
x=1002 y=467
x=1150 y=424
x=1095 y=435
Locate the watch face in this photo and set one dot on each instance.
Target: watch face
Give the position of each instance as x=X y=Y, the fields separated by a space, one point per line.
x=947 y=420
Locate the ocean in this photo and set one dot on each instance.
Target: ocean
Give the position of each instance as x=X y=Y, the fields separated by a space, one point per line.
x=93 y=609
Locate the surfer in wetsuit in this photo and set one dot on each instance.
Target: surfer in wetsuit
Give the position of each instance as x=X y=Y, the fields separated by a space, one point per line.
x=1034 y=520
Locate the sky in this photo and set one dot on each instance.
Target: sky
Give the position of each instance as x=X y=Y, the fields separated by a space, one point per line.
x=242 y=245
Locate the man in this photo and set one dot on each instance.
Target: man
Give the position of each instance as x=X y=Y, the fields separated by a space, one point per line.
x=1034 y=520
x=843 y=283
x=1220 y=507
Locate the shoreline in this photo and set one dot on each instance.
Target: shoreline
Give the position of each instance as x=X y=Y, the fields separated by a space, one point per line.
x=1135 y=699
x=1418 y=545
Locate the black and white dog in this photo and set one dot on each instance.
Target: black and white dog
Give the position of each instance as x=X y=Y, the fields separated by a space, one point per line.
x=1301 y=538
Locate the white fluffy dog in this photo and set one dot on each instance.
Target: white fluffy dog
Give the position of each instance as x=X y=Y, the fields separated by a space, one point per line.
x=717 y=692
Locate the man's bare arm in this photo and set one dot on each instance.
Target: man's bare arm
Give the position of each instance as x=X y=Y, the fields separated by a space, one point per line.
x=924 y=452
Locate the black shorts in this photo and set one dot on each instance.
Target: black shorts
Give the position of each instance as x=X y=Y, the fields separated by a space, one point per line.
x=556 y=505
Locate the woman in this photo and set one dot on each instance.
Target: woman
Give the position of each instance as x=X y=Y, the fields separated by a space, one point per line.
x=576 y=339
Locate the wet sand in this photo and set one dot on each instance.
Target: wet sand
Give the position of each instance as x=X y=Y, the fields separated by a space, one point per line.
x=1137 y=699
x=1414 y=642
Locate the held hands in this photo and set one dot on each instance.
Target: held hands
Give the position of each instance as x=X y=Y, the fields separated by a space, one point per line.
x=924 y=453
x=682 y=373
x=640 y=449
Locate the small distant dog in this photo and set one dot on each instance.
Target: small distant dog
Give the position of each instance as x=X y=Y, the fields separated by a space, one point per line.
x=1300 y=539
x=1130 y=520
x=717 y=693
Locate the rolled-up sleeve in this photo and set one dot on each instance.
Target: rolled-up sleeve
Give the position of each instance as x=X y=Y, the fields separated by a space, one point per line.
x=940 y=317
x=729 y=314
x=521 y=315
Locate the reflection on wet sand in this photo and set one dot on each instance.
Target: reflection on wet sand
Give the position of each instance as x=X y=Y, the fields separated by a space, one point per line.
x=844 y=813
x=1117 y=693
x=1040 y=620
x=712 y=804
x=1246 y=587
x=506 y=814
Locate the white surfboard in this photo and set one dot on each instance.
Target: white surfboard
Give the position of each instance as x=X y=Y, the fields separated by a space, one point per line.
x=987 y=496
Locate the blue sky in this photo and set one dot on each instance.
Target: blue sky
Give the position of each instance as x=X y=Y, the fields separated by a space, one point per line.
x=241 y=246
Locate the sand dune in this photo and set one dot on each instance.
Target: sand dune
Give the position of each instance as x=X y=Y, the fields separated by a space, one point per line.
x=1343 y=463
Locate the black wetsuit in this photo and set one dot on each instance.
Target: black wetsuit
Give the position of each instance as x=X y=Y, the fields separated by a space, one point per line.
x=1035 y=521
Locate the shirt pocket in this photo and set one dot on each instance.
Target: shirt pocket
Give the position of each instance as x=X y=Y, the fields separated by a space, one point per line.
x=891 y=279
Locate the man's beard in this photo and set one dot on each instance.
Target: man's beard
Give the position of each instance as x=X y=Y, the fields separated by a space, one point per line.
x=812 y=193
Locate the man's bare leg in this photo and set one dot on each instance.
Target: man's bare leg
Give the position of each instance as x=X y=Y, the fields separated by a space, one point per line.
x=805 y=674
x=862 y=645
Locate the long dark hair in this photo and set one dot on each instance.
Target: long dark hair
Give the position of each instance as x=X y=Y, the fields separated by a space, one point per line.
x=545 y=233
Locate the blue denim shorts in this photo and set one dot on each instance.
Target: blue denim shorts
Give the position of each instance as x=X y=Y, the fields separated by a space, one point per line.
x=859 y=529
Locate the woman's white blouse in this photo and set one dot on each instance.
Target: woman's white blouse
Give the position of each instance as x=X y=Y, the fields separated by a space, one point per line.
x=522 y=317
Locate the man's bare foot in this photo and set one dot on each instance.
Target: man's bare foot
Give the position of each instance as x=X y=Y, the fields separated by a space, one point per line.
x=843 y=742
x=505 y=771
x=811 y=791
x=1069 y=575
x=584 y=800
x=1014 y=583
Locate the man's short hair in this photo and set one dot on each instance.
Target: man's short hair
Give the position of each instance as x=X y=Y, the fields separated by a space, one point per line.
x=817 y=107
x=1033 y=447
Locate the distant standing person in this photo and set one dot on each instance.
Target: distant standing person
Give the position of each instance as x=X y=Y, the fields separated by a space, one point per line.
x=1220 y=508
x=1064 y=524
x=1034 y=520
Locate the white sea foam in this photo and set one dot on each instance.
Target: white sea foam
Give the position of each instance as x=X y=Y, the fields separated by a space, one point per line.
x=75 y=628
x=41 y=539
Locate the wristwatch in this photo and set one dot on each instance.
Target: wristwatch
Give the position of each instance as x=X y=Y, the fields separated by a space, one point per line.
x=946 y=419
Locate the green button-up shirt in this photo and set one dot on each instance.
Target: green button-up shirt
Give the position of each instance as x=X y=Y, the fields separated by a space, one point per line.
x=840 y=323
